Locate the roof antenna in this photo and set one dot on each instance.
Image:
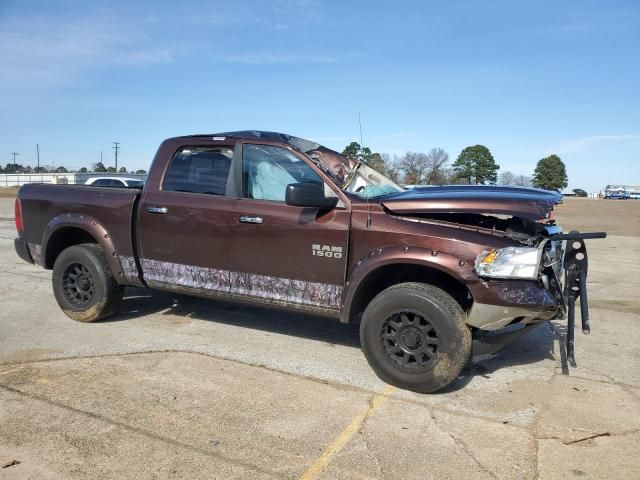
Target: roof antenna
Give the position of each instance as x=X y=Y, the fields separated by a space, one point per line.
x=369 y=220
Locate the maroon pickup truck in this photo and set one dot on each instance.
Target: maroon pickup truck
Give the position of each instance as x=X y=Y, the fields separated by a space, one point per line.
x=276 y=220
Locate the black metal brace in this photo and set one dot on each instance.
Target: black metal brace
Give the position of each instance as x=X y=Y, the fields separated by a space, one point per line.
x=576 y=265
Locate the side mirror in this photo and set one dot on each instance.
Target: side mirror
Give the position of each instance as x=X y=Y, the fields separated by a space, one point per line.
x=309 y=194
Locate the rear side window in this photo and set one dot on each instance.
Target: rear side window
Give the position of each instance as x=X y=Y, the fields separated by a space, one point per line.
x=199 y=170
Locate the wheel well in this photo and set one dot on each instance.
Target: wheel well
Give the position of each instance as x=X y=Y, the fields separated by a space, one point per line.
x=388 y=275
x=64 y=238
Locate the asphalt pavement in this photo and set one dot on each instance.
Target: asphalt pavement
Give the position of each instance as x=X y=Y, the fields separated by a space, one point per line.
x=188 y=388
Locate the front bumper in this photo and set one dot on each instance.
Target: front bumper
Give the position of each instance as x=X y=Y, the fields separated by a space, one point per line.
x=495 y=317
x=22 y=249
x=498 y=303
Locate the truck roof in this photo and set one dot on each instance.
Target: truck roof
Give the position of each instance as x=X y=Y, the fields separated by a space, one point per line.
x=252 y=135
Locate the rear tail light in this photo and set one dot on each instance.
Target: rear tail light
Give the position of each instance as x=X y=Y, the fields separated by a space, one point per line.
x=18 y=216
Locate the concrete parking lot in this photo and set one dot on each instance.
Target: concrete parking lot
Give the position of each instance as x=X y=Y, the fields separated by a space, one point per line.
x=176 y=387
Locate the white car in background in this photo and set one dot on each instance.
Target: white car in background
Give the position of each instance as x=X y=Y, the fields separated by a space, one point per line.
x=121 y=182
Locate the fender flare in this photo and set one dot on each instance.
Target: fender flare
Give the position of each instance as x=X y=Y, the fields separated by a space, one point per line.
x=455 y=267
x=93 y=228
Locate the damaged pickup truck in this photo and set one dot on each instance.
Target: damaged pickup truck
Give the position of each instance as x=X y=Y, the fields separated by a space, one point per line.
x=276 y=220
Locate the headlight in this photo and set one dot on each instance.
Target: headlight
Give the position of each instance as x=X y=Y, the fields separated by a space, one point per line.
x=509 y=262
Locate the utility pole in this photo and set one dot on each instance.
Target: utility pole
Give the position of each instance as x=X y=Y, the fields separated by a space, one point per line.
x=15 y=165
x=101 y=157
x=360 y=123
x=38 y=156
x=116 y=147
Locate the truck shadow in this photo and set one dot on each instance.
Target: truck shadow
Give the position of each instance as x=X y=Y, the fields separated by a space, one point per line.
x=543 y=343
x=140 y=302
x=534 y=347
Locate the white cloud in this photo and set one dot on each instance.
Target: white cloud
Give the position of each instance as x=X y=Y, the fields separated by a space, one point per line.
x=44 y=51
x=582 y=144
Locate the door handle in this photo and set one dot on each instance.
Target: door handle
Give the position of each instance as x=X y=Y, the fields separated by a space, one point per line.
x=160 y=210
x=255 y=220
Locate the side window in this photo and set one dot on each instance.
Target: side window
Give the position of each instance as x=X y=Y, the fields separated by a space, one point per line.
x=103 y=182
x=267 y=170
x=199 y=170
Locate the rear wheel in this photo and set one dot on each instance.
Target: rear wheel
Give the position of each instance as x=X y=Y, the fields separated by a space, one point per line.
x=414 y=336
x=84 y=285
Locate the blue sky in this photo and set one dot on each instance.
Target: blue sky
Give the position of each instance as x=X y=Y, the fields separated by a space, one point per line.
x=524 y=78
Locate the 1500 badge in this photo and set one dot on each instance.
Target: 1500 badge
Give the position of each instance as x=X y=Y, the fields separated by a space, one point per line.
x=328 y=251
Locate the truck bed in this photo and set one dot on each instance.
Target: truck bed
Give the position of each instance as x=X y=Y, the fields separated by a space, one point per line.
x=46 y=208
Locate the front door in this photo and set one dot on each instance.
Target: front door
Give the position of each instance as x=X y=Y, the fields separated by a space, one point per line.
x=280 y=253
x=184 y=219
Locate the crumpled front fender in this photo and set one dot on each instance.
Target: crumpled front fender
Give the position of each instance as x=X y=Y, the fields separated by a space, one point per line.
x=455 y=267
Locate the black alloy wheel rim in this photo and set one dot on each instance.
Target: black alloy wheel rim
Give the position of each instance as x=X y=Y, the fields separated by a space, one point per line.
x=409 y=341
x=77 y=283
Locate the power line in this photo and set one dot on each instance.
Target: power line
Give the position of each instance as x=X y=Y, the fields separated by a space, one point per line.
x=14 y=158
x=116 y=147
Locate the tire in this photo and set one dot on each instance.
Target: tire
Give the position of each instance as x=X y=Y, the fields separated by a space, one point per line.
x=414 y=336
x=84 y=285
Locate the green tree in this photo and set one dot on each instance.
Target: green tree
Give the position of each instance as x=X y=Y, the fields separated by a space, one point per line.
x=352 y=150
x=122 y=170
x=40 y=170
x=476 y=164
x=99 y=168
x=376 y=161
x=13 y=168
x=111 y=170
x=83 y=170
x=141 y=172
x=550 y=174
x=61 y=169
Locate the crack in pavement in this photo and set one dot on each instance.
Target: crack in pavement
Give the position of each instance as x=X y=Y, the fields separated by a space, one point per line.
x=466 y=449
x=363 y=435
x=584 y=439
x=345 y=386
x=137 y=430
x=24 y=275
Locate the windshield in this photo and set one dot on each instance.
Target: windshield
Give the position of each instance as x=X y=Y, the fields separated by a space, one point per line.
x=351 y=175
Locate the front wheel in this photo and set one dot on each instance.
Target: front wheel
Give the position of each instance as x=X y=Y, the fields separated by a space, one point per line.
x=84 y=285
x=414 y=336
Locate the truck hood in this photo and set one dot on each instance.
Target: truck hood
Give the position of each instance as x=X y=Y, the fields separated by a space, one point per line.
x=530 y=203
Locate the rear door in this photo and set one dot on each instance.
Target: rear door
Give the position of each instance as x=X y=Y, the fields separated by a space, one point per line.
x=281 y=253
x=184 y=219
